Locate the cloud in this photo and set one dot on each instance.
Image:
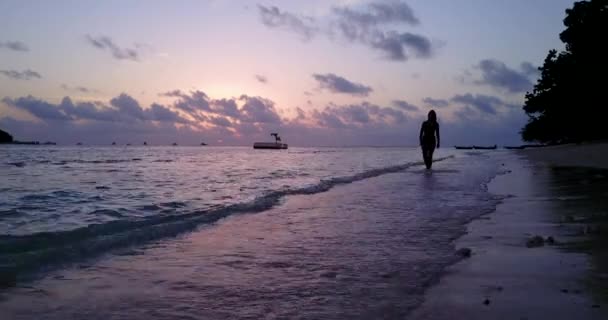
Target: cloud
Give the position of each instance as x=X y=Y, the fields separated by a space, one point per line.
x=273 y=17
x=436 y=103
x=243 y=120
x=128 y=106
x=225 y=107
x=38 y=108
x=405 y=105
x=158 y=112
x=366 y=25
x=194 y=104
x=258 y=109
x=379 y=13
x=395 y=45
x=220 y=121
x=499 y=76
x=484 y=103
x=529 y=69
x=373 y=25
x=23 y=75
x=107 y=44
x=123 y=108
x=261 y=78
x=80 y=89
x=355 y=116
x=337 y=84
x=15 y=46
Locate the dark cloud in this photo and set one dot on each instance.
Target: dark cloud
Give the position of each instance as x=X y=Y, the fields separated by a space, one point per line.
x=356 y=116
x=80 y=89
x=128 y=106
x=498 y=75
x=122 y=109
x=484 y=103
x=258 y=110
x=226 y=107
x=195 y=104
x=158 y=112
x=273 y=17
x=14 y=45
x=106 y=44
x=372 y=25
x=436 y=103
x=405 y=105
x=21 y=75
x=38 y=108
x=337 y=84
x=366 y=25
x=220 y=121
x=397 y=45
x=353 y=22
x=261 y=78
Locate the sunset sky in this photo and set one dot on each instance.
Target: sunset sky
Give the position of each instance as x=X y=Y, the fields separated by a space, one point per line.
x=335 y=73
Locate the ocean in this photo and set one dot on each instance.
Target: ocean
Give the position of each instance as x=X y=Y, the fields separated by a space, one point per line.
x=231 y=232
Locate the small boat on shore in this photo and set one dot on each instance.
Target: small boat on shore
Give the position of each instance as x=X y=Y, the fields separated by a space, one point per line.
x=476 y=147
x=485 y=148
x=277 y=144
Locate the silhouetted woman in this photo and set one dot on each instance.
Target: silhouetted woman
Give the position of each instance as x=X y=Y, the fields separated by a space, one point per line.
x=428 y=131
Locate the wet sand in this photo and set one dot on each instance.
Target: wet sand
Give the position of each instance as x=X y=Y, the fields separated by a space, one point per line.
x=594 y=155
x=507 y=279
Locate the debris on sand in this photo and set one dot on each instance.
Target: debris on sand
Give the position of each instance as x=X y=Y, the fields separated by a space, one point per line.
x=536 y=241
x=464 y=252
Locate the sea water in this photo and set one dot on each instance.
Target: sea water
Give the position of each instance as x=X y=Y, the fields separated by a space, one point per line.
x=209 y=232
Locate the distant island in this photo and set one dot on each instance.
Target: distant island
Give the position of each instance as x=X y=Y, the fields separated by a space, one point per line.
x=6 y=138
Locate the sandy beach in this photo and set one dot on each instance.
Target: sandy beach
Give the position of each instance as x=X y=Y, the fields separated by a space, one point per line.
x=509 y=276
x=593 y=155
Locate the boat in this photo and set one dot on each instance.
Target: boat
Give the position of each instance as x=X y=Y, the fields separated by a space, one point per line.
x=476 y=147
x=174 y=144
x=277 y=144
x=203 y=144
x=485 y=148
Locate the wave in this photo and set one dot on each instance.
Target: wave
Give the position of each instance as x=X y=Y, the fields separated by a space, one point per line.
x=26 y=254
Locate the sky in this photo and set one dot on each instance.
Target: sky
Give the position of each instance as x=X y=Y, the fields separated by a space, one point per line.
x=321 y=73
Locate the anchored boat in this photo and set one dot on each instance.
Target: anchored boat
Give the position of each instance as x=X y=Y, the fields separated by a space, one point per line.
x=277 y=144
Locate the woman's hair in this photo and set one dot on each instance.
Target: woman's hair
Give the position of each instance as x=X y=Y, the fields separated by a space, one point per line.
x=432 y=116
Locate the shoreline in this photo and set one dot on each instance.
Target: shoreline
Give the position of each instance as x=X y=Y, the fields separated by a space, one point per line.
x=509 y=278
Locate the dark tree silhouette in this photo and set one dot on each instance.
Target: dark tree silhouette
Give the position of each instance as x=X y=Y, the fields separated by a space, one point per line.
x=569 y=99
x=5 y=137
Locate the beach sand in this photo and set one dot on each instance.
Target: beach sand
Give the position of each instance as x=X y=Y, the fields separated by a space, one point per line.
x=506 y=279
x=594 y=155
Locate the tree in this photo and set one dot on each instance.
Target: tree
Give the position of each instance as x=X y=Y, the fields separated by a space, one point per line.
x=569 y=99
x=5 y=137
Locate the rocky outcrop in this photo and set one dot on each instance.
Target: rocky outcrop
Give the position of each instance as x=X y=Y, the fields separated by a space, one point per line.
x=5 y=137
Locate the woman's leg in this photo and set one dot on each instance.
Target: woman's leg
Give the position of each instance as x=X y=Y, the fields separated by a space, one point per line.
x=427 y=155
x=430 y=157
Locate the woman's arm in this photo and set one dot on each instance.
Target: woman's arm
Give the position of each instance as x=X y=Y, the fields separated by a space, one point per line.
x=437 y=133
x=421 y=133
